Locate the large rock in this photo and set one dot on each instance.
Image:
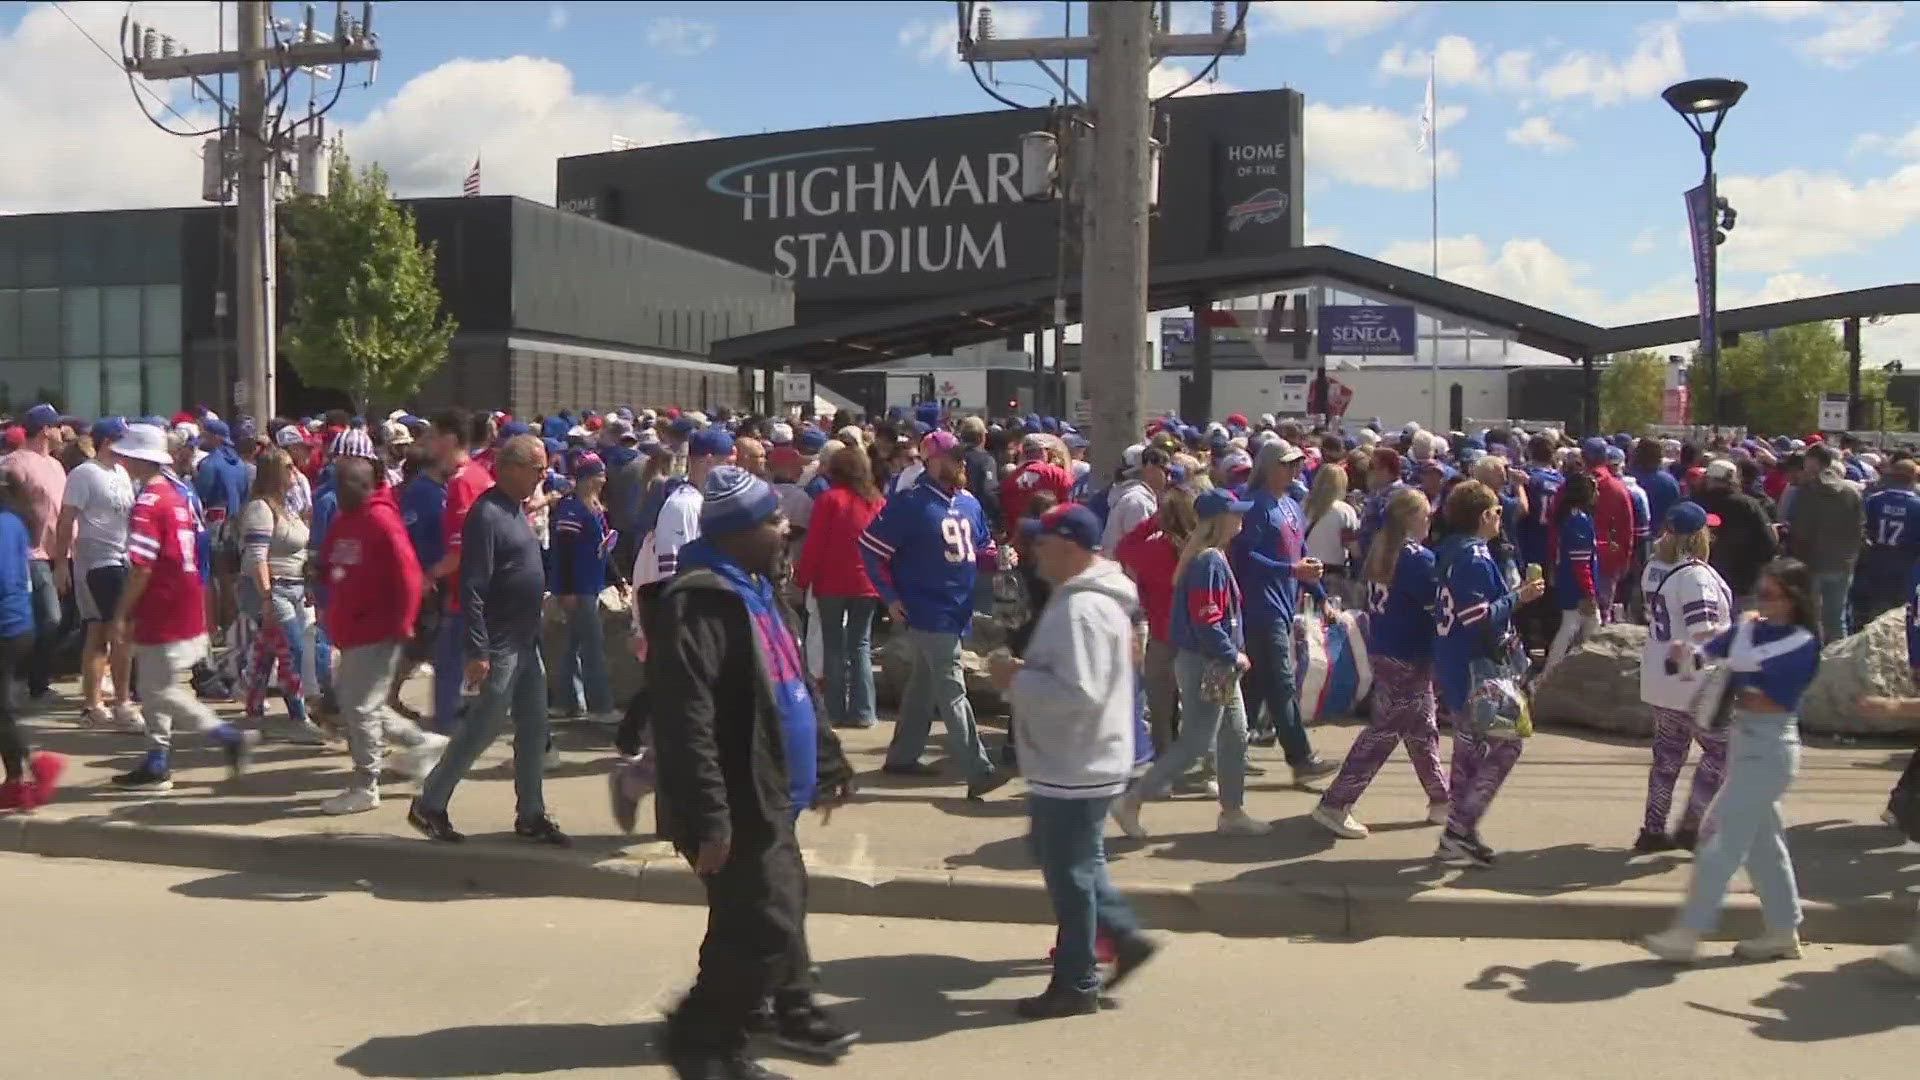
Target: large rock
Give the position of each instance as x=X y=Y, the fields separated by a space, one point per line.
x=624 y=673
x=896 y=662
x=1873 y=661
x=1598 y=684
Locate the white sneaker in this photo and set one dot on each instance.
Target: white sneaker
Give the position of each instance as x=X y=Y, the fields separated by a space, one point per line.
x=1904 y=959
x=551 y=760
x=1339 y=822
x=1237 y=823
x=1126 y=814
x=1438 y=812
x=94 y=716
x=420 y=760
x=610 y=718
x=1770 y=946
x=1675 y=946
x=127 y=717
x=351 y=801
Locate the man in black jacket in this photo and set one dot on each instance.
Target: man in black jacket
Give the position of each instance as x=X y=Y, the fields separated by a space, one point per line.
x=741 y=754
x=1745 y=540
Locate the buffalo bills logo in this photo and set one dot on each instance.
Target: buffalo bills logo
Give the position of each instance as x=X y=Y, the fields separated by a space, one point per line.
x=1264 y=208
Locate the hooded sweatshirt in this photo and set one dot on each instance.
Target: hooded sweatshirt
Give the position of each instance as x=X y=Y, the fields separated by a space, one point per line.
x=1827 y=524
x=1076 y=732
x=1131 y=503
x=373 y=579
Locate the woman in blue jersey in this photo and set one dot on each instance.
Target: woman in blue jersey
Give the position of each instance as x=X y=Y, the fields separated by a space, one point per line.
x=1574 y=567
x=1399 y=588
x=1772 y=656
x=1474 y=616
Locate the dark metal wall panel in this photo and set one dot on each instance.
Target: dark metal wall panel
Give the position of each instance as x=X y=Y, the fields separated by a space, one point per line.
x=472 y=240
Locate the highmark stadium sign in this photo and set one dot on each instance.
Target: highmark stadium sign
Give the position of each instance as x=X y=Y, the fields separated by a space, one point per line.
x=873 y=215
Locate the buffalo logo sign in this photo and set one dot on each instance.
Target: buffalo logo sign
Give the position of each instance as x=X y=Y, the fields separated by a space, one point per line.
x=1266 y=206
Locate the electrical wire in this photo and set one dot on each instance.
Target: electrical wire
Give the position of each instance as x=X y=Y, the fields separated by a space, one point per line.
x=966 y=10
x=1239 y=24
x=120 y=64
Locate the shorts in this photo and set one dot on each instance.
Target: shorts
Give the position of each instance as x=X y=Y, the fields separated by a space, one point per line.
x=98 y=594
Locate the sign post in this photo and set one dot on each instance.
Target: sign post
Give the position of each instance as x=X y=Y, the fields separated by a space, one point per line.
x=796 y=388
x=1833 y=412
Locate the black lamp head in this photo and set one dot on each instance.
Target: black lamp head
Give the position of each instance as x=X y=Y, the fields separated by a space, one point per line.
x=1703 y=103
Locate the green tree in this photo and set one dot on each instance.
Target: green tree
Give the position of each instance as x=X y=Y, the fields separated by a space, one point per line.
x=1632 y=390
x=366 y=314
x=1773 y=382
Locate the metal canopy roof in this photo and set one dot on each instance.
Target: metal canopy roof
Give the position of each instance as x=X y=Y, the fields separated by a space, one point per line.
x=949 y=322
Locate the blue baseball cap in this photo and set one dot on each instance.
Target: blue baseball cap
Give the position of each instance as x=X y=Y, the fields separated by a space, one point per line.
x=1215 y=501
x=216 y=427
x=1069 y=521
x=710 y=442
x=682 y=426
x=41 y=417
x=1594 y=450
x=1687 y=518
x=811 y=441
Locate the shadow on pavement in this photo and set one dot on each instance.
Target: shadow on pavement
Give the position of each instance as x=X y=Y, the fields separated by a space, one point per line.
x=277 y=889
x=1860 y=998
x=1563 y=982
x=1548 y=871
x=505 y=1050
x=905 y=998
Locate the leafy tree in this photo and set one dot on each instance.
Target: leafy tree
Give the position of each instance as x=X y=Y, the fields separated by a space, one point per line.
x=1773 y=382
x=1632 y=390
x=366 y=314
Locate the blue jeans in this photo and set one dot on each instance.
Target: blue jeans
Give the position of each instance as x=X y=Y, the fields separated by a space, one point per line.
x=449 y=671
x=322 y=653
x=285 y=607
x=1832 y=588
x=582 y=667
x=1204 y=726
x=846 y=631
x=46 y=626
x=516 y=687
x=1271 y=650
x=1068 y=839
x=1744 y=827
x=936 y=684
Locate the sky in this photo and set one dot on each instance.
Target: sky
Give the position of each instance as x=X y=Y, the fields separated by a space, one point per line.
x=1561 y=170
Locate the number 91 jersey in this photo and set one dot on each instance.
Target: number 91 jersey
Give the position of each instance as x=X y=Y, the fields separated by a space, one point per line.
x=924 y=549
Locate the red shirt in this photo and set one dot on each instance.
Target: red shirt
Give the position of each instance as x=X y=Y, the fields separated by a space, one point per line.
x=1612 y=522
x=160 y=539
x=1027 y=481
x=466 y=485
x=830 y=562
x=1149 y=557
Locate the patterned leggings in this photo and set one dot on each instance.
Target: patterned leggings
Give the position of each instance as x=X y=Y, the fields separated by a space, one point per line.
x=1403 y=712
x=270 y=648
x=1480 y=766
x=1673 y=733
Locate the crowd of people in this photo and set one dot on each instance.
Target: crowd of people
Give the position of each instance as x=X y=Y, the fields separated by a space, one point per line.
x=1150 y=619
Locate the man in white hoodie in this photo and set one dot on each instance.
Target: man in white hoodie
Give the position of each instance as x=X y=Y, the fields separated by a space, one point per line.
x=1075 y=733
x=1136 y=498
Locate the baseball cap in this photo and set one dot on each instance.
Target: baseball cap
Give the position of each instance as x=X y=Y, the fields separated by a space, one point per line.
x=1069 y=521
x=781 y=433
x=216 y=426
x=396 y=433
x=1722 y=469
x=735 y=499
x=939 y=442
x=107 y=429
x=290 y=436
x=1594 y=449
x=588 y=464
x=144 y=442
x=1283 y=452
x=710 y=442
x=1687 y=518
x=1216 y=501
x=1236 y=461
x=40 y=417
x=812 y=441
x=783 y=457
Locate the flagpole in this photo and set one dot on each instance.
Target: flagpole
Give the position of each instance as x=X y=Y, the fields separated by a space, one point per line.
x=1433 y=189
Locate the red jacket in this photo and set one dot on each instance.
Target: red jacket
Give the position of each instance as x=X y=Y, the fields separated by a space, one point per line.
x=1150 y=558
x=1027 y=481
x=368 y=564
x=1612 y=523
x=830 y=562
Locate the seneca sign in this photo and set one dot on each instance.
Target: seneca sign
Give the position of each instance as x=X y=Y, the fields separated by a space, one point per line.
x=1374 y=330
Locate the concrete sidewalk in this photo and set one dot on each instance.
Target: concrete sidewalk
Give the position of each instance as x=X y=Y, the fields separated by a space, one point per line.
x=918 y=848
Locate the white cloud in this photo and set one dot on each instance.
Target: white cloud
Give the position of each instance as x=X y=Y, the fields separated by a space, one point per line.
x=1538 y=131
x=1340 y=20
x=1775 y=10
x=937 y=41
x=518 y=114
x=557 y=17
x=1170 y=75
x=1368 y=145
x=1454 y=60
x=1907 y=145
x=1853 y=31
x=1646 y=243
x=681 y=37
x=1655 y=62
x=1796 y=214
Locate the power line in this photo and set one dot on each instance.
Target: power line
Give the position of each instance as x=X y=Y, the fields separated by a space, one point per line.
x=120 y=65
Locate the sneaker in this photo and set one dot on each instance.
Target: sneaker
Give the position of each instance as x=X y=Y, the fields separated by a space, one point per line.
x=1675 y=946
x=238 y=745
x=354 y=800
x=1651 y=841
x=980 y=787
x=608 y=718
x=1056 y=1003
x=295 y=733
x=1904 y=959
x=433 y=824
x=915 y=769
x=690 y=1064
x=1480 y=847
x=1128 y=956
x=1339 y=822
x=861 y=724
x=144 y=778
x=541 y=829
x=551 y=760
x=418 y=760
x=94 y=716
x=1262 y=739
x=126 y=717
x=1256 y=770
x=1314 y=769
x=566 y=716
x=1126 y=814
x=1458 y=850
x=811 y=1032
x=46 y=767
x=1237 y=823
x=1686 y=839
x=1439 y=812
x=1770 y=946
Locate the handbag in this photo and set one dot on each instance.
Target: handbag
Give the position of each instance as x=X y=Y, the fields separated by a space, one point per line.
x=1012 y=605
x=1219 y=682
x=1498 y=703
x=1712 y=706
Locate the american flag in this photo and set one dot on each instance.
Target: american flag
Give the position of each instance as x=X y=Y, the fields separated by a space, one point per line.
x=471 y=185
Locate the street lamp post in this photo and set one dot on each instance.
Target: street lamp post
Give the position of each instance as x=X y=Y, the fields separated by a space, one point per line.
x=1703 y=104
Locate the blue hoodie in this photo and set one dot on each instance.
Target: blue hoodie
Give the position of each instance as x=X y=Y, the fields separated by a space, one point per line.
x=221 y=480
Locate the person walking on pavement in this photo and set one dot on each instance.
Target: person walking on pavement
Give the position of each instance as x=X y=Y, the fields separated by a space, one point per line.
x=1612 y=527
x=162 y=611
x=455 y=431
x=221 y=480
x=582 y=542
x=1825 y=530
x=1210 y=656
x=502 y=583
x=31 y=778
x=1150 y=555
x=1893 y=544
x=273 y=587
x=373 y=580
x=1771 y=656
x=1076 y=748
x=1575 y=568
x=1269 y=562
x=922 y=552
x=90 y=561
x=1400 y=587
x=42 y=483
x=832 y=570
x=741 y=752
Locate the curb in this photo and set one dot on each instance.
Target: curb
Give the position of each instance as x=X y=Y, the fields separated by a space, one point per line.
x=1306 y=910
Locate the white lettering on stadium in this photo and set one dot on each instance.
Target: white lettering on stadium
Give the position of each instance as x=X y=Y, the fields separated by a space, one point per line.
x=910 y=249
x=1256 y=152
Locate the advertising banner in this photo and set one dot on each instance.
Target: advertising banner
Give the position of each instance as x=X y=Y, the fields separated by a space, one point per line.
x=1700 y=227
x=1372 y=330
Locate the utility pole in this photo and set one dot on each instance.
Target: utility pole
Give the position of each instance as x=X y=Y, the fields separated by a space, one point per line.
x=1125 y=39
x=258 y=145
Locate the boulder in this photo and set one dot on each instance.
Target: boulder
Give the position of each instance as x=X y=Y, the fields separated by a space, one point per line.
x=1597 y=685
x=1873 y=661
x=895 y=662
x=624 y=673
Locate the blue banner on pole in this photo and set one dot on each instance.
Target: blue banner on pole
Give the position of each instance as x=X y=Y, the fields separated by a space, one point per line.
x=1369 y=330
x=1700 y=228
